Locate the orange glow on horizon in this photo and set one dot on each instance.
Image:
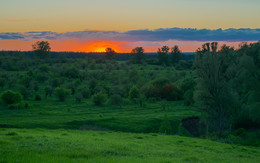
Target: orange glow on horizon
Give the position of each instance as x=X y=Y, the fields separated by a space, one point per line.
x=100 y=46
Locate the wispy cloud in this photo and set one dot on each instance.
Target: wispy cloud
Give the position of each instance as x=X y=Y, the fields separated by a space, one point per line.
x=17 y=20
x=163 y=34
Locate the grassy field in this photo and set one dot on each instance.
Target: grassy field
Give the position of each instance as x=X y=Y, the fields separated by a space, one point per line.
x=70 y=115
x=43 y=145
x=57 y=132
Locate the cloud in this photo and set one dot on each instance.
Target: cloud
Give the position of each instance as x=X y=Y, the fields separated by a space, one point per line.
x=162 y=34
x=17 y=20
x=11 y=36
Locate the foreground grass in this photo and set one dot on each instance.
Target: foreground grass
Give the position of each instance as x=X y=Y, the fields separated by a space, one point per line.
x=43 y=145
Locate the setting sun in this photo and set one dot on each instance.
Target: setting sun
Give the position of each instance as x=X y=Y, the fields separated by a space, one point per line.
x=100 y=46
x=100 y=49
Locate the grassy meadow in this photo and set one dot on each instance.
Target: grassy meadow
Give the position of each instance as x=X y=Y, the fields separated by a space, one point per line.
x=60 y=145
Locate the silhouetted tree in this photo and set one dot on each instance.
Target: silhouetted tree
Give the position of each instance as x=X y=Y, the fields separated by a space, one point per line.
x=163 y=55
x=175 y=55
x=41 y=49
x=137 y=55
x=110 y=53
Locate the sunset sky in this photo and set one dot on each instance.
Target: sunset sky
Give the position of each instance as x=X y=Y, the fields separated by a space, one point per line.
x=93 y=25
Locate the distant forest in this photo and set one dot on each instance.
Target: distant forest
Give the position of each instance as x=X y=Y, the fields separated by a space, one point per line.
x=94 y=55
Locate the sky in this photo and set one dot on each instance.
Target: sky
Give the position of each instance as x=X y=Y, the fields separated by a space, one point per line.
x=88 y=25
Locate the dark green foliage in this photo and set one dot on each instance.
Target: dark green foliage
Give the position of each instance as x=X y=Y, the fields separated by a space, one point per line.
x=240 y=132
x=38 y=98
x=44 y=68
x=61 y=93
x=2 y=82
x=213 y=91
x=184 y=65
x=99 y=98
x=188 y=97
x=248 y=117
x=116 y=100
x=71 y=72
x=47 y=91
x=187 y=87
x=41 y=77
x=19 y=105
x=248 y=86
x=78 y=97
x=26 y=81
x=11 y=134
x=134 y=93
x=187 y=84
x=25 y=92
x=85 y=92
x=11 y=97
x=163 y=89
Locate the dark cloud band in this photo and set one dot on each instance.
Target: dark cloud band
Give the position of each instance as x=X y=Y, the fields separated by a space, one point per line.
x=163 y=34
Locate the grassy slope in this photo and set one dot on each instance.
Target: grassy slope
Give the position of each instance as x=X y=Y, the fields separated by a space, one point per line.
x=70 y=115
x=42 y=145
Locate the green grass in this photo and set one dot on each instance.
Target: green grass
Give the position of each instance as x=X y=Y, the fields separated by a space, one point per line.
x=43 y=145
x=70 y=115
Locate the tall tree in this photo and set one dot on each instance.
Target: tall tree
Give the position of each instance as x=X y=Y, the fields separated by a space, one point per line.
x=137 y=55
x=215 y=72
x=163 y=56
x=41 y=49
x=110 y=53
x=175 y=54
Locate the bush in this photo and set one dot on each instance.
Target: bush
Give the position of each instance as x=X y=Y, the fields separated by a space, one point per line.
x=99 y=98
x=248 y=117
x=116 y=100
x=19 y=105
x=133 y=93
x=188 y=97
x=78 y=97
x=11 y=97
x=240 y=132
x=163 y=89
x=38 y=98
x=71 y=72
x=25 y=92
x=187 y=84
x=85 y=92
x=61 y=93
